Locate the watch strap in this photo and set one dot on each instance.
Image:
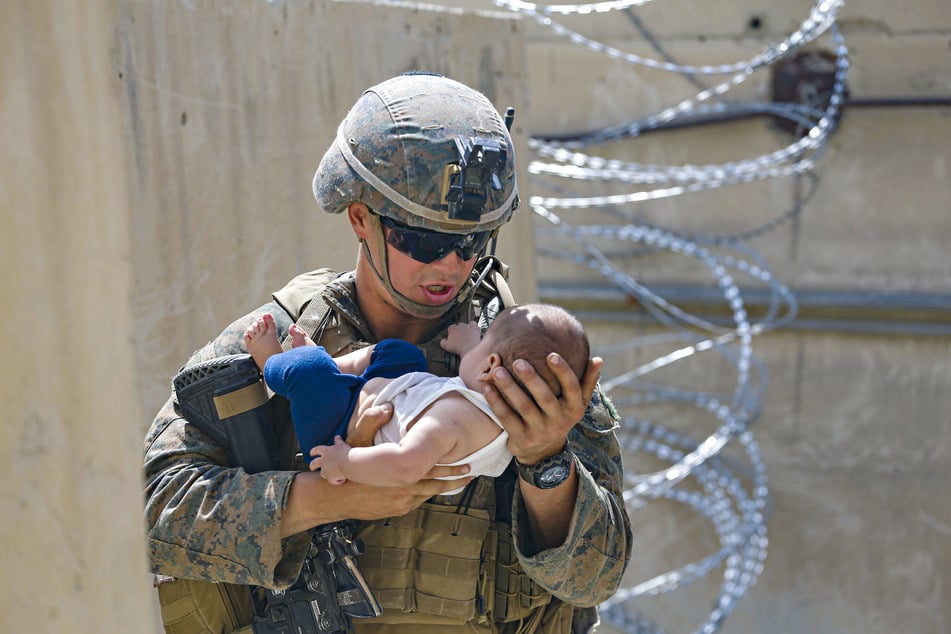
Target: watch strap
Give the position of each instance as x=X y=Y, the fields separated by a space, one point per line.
x=548 y=472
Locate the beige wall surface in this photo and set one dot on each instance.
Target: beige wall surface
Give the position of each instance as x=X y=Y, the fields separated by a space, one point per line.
x=72 y=551
x=157 y=163
x=854 y=430
x=854 y=434
x=855 y=437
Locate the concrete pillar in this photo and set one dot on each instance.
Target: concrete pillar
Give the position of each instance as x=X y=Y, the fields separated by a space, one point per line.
x=70 y=498
x=157 y=162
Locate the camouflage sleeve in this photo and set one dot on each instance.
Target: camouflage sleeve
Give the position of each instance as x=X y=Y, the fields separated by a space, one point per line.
x=587 y=568
x=206 y=520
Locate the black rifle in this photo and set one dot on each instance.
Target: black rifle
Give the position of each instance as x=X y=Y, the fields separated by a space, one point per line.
x=226 y=399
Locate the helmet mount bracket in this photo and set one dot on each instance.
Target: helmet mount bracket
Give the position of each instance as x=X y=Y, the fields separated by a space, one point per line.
x=466 y=184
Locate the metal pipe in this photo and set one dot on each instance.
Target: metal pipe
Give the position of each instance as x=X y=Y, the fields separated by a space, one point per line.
x=937 y=101
x=849 y=311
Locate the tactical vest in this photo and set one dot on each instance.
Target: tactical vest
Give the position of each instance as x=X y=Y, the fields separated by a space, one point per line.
x=450 y=563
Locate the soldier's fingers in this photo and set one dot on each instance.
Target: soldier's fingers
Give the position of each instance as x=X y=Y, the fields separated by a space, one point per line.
x=447 y=472
x=368 y=424
x=573 y=400
x=438 y=487
x=501 y=408
x=518 y=401
x=402 y=500
x=590 y=380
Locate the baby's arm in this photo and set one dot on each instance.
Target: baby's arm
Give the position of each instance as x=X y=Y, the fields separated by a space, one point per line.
x=462 y=338
x=433 y=436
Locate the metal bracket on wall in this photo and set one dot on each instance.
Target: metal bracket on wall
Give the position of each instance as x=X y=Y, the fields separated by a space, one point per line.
x=805 y=79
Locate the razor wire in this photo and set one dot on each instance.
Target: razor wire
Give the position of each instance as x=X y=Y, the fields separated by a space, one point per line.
x=730 y=493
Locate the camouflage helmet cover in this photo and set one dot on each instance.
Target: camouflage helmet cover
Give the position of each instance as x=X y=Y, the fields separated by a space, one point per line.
x=394 y=148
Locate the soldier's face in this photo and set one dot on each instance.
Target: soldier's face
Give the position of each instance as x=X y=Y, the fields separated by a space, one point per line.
x=430 y=284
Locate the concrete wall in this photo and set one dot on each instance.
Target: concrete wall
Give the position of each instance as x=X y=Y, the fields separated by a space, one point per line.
x=855 y=427
x=854 y=436
x=855 y=432
x=73 y=555
x=157 y=162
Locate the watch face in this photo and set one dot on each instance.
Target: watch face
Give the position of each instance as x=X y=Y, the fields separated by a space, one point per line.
x=553 y=476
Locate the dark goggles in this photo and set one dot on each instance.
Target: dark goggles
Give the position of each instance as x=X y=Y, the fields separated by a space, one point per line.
x=429 y=246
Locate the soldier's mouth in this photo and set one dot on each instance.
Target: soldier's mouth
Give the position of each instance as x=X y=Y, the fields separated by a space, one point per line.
x=437 y=292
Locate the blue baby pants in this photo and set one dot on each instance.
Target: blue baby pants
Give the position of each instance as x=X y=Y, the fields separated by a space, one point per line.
x=322 y=398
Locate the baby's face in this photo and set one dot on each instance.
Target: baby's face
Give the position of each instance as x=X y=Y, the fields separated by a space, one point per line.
x=476 y=363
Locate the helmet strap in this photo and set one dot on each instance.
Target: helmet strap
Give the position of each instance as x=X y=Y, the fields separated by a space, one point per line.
x=404 y=302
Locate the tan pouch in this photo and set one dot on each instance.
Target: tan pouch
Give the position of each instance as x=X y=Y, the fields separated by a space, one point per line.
x=203 y=607
x=517 y=596
x=427 y=561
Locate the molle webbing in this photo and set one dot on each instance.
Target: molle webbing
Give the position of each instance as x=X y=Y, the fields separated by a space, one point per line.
x=200 y=607
x=316 y=311
x=427 y=561
x=517 y=596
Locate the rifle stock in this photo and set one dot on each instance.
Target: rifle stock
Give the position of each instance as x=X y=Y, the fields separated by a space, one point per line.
x=226 y=398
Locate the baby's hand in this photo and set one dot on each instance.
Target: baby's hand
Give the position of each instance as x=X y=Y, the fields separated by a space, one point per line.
x=329 y=459
x=462 y=338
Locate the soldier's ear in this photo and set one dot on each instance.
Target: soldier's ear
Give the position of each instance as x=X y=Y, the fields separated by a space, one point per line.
x=359 y=216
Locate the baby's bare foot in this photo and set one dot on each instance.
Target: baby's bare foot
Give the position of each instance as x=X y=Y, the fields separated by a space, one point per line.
x=261 y=340
x=299 y=337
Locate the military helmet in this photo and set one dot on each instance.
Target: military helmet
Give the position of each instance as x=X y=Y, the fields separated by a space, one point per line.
x=425 y=151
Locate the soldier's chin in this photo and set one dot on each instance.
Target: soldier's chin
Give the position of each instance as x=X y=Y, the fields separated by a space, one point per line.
x=426 y=309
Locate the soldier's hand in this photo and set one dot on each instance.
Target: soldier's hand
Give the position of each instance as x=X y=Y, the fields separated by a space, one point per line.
x=313 y=501
x=382 y=502
x=368 y=424
x=537 y=421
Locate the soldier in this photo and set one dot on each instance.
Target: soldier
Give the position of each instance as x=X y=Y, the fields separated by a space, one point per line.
x=424 y=168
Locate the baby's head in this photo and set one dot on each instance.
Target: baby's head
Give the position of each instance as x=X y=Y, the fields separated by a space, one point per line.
x=532 y=332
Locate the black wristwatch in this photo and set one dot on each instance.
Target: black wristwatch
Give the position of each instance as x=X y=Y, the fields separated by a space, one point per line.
x=548 y=473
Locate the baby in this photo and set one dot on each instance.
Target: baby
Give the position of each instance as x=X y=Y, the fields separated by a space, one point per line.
x=437 y=421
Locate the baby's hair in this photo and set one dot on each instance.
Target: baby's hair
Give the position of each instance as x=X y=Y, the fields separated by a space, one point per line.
x=532 y=332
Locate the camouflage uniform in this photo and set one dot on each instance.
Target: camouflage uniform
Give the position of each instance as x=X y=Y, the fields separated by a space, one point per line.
x=210 y=522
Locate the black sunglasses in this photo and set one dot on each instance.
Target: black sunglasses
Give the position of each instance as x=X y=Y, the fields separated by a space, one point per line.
x=429 y=246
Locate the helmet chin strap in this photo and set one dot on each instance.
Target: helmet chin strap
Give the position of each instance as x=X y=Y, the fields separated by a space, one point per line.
x=404 y=302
